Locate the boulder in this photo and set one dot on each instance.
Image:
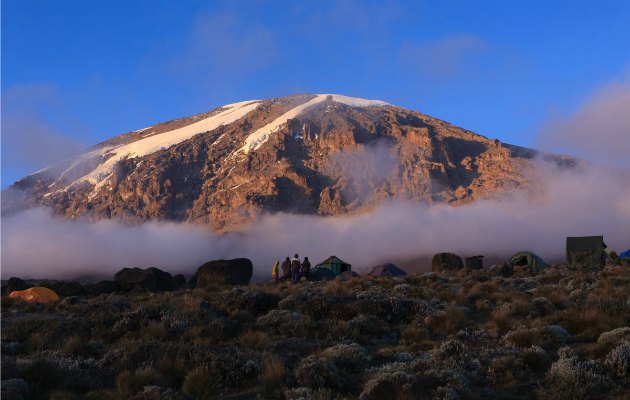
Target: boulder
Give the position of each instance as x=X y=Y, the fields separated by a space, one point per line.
x=63 y=288
x=101 y=287
x=180 y=281
x=149 y=279
x=446 y=262
x=223 y=272
x=14 y=284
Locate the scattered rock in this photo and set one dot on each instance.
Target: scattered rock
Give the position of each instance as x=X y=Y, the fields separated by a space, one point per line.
x=237 y=271
x=446 y=262
x=150 y=279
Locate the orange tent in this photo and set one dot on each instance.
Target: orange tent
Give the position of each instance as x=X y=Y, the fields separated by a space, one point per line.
x=39 y=294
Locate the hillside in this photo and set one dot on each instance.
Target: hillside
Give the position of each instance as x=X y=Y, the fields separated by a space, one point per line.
x=557 y=333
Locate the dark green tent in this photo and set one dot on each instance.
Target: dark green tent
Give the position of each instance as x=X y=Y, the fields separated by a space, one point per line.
x=335 y=264
x=585 y=251
x=527 y=258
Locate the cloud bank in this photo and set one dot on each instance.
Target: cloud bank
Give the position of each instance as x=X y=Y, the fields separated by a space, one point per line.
x=598 y=131
x=569 y=203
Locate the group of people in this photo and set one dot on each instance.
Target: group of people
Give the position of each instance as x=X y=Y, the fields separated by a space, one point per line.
x=293 y=269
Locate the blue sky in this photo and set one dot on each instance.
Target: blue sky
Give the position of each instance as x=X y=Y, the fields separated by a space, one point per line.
x=531 y=73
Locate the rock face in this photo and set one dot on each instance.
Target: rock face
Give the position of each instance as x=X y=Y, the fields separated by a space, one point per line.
x=224 y=272
x=446 y=262
x=307 y=154
x=149 y=279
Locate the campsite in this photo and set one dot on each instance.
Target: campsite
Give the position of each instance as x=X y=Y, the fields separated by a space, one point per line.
x=521 y=329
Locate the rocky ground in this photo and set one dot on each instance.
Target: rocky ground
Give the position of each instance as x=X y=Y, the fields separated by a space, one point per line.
x=552 y=334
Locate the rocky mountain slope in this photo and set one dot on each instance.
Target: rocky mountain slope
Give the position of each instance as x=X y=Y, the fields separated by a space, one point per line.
x=310 y=154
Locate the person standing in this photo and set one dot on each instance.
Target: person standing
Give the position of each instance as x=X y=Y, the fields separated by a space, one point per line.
x=275 y=271
x=295 y=268
x=286 y=268
x=306 y=268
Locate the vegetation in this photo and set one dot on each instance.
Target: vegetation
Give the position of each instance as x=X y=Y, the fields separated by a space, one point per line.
x=552 y=334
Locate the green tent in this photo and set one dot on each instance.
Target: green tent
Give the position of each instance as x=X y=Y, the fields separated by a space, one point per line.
x=335 y=264
x=527 y=258
x=585 y=251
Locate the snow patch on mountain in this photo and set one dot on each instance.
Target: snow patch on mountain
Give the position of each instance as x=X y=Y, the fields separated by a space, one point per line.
x=230 y=113
x=258 y=138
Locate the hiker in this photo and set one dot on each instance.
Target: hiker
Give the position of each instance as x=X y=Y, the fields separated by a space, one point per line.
x=306 y=268
x=275 y=271
x=609 y=254
x=295 y=268
x=286 y=268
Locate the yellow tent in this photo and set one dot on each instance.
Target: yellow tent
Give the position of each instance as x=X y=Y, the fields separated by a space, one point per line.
x=39 y=294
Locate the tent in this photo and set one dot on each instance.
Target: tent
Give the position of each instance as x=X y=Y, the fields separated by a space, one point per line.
x=625 y=255
x=585 y=251
x=39 y=294
x=527 y=258
x=347 y=275
x=321 y=274
x=335 y=264
x=386 y=269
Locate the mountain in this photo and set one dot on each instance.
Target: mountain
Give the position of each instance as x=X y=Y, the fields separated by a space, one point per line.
x=309 y=154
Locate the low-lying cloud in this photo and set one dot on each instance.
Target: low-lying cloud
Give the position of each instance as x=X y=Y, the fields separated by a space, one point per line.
x=569 y=203
x=599 y=130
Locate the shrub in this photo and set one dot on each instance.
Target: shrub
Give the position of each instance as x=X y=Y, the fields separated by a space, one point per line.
x=273 y=371
x=201 y=383
x=73 y=346
x=42 y=375
x=129 y=383
x=569 y=378
x=614 y=336
x=351 y=357
x=317 y=372
x=522 y=337
x=536 y=359
x=256 y=340
x=618 y=360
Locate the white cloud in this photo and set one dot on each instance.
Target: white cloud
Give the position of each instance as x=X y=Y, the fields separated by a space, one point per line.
x=599 y=130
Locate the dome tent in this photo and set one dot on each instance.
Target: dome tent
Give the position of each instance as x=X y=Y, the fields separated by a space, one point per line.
x=38 y=294
x=335 y=264
x=387 y=269
x=527 y=258
x=321 y=274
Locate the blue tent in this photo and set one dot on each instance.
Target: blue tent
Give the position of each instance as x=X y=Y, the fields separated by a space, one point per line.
x=625 y=255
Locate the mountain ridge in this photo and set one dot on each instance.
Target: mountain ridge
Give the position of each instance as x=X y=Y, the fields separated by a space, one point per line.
x=310 y=154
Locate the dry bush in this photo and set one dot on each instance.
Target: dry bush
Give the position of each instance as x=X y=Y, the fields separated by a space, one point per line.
x=256 y=340
x=155 y=329
x=506 y=370
x=73 y=346
x=201 y=383
x=242 y=316
x=447 y=322
x=554 y=293
x=129 y=383
x=585 y=324
x=522 y=337
x=415 y=334
x=500 y=320
x=273 y=371
x=536 y=359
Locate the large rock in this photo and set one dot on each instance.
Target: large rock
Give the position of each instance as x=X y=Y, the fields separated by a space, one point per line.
x=150 y=279
x=224 y=272
x=63 y=288
x=446 y=262
x=14 y=284
x=101 y=287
